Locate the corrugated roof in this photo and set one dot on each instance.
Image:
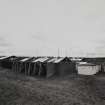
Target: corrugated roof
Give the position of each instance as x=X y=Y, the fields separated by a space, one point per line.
x=3 y=58
x=25 y=59
x=76 y=59
x=44 y=59
x=41 y=60
x=86 y=64
x=58 y=60
x=82 y=62
x=52 y=60
x=35 y=60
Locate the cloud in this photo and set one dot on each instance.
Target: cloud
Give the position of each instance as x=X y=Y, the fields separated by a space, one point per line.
x=69 y=25
x=38 y=36
x=4 y=42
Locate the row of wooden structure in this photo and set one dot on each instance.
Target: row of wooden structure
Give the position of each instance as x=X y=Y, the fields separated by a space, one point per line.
x=53 y=66
x=39 y=66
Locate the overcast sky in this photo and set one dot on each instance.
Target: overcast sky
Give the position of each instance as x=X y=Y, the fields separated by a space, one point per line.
x=40 y=27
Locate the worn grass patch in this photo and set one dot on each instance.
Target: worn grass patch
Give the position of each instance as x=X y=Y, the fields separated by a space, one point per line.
x=17 y=89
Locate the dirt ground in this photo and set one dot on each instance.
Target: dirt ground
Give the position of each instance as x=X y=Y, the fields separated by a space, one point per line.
x=18 y=89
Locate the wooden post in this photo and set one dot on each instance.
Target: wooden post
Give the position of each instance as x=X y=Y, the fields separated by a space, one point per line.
x=29 y=69
x=34 y=68
x=39 y=70
x=20 y=67
x=13 y=66
x=26 y=68
x=16 y=67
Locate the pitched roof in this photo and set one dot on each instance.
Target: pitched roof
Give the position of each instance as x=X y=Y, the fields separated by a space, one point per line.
x=3 y=58
x=86 y=64
x=52 y=60
x=25 y=59
x=44 y=59
x=41 y=60
x=58 y=60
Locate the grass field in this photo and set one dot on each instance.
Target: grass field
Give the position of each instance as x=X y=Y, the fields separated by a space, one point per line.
x=18 y=89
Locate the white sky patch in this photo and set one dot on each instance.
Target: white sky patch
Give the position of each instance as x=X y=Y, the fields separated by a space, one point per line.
x=40 y=27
